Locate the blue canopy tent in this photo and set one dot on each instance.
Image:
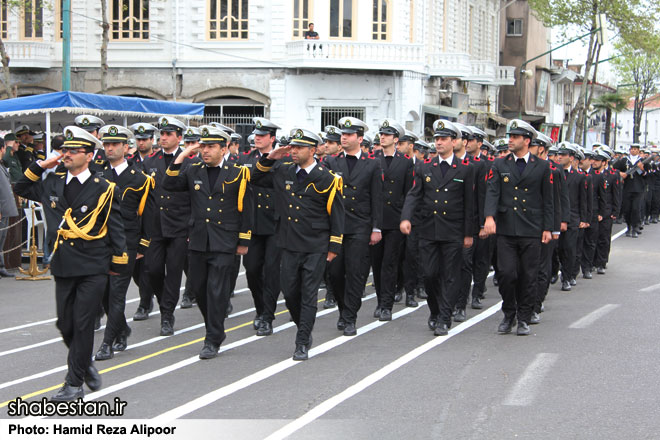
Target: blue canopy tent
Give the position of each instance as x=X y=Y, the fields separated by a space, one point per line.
x=55 y=110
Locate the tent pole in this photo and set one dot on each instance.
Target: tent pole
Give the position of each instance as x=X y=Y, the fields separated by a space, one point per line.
x=125 y=121
x=66 y=45
x=47 y=134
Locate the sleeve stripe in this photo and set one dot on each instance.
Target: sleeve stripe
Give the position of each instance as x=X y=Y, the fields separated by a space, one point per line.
x=263 y=168
x=30 y=175
x=172 y=173
x=120 y=260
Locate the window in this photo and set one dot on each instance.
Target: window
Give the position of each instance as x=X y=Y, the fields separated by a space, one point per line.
x=514 y=27
x=559 y=94
x=301 y=17
x=129 y=20
x=59 y=20
x=332 y=115
x=341 y=18
x=3 y=19
x=412 y=21
x=380 y=20
x=228 y=20
x=32 y=20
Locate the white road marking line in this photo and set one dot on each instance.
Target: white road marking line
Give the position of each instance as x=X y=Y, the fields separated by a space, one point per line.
x=374 y=377
x=650 y=288
x=260 y=375
x=592 y=317
x=192 y=360
x=524 y=391
x=48 y=321
x=618 y=234
x=130 y=347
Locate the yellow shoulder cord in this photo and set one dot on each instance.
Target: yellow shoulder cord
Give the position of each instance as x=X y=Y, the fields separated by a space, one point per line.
x=337 y=184
x=244 y=175
x=76 y=231
x=148 y=184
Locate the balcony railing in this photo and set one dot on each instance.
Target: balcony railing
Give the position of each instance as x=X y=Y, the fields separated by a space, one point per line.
x=355 y=55
x=35 y=54
x=505 y=76
x=455 y=65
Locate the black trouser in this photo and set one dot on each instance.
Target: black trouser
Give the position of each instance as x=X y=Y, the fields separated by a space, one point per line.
x=604 y=242
x=631 y=208
x=300 y=276
x=385 y=262
x=412 y=275
x=114 y=301
x=77 y=300
x=166 y=258
x=465 y=276
x=555 y=259
x=567 y=247
x=347 y=274
x=263 y=258
x=210 y=274
x=545 y=272
x=483 y=252
x=234 y=274
x=579 y=248
x=442 y=264
x=589 y=246
x=518 y=259
x=141 y=279
x=655 y=205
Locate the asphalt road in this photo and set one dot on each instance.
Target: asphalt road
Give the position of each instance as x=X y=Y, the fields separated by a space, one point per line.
x=590 y=369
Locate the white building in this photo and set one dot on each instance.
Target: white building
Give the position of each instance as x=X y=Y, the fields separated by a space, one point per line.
x=412 y=60
x=650 y=124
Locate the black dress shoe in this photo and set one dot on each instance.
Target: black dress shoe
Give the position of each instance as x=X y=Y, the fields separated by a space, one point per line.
x=350 y=329
x=341 y=324
x=410 y=301
x=93 y=378
x=523 y=329
x=266 y=329
x=432 y=322
x=301 y=353
x=398 y=297
x=573 y=282
x=535 y=319
x=460 y=315
x=554 y=279
x=628 y=233
x=105 y=352
x=385 y=315
x=230 y=308
x=121 y=342
x=476 y=303
x=441 y=330
x=600 y=270
x=421 y=293
x=329 y=302
x=587 y=275
x=68 y=393
x=258 y=320
x=141 y=314
x=506 y=325
x=209 y=351
x=565 y=286
x=635 y=234
x=5 y=274
x=377 y=312
x=167 y=326
x=186 y=302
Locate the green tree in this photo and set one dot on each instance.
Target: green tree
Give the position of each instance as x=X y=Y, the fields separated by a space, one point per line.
x=640 y=67
x=610 y=103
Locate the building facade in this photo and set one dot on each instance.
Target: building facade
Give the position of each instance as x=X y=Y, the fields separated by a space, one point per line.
x=412 y=60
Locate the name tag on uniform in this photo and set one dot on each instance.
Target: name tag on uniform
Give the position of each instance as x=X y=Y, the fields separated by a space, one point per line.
x=198 y=182
x=249 y=165
x=506 y=177
x=288 y=182
x=338 y=173
x=54 y=199
x=153 y=170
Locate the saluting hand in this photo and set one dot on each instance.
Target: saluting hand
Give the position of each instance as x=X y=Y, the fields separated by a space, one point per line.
x=279 y=152
x=51 y=162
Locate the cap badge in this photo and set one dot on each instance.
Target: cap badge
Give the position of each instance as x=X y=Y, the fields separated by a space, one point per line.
x=189 y=132
x=347 y=124
x=112 y=131
x=140 y=129
x=386 y=123
x=441 y=125
x=298 y=134
x=69 y=135
x=258 y=125
x=514 y=125
x=331 y=131
x=205 y=132
x=85 y=122
x=164 y=122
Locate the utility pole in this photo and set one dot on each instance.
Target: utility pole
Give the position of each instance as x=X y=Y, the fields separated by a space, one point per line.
x=66 y=45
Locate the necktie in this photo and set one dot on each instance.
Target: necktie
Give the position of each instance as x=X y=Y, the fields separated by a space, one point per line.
x=168 y=158
x=521 y=165
x=72 y=189
x=301 y=174
x=388 y=160
x=351 y=161
x=565 y=173
x=115 y=176
x=213 y=173
x=444 y=167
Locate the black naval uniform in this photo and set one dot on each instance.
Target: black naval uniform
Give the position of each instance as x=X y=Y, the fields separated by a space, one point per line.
x=82 y=258
x=397 y=181
x=591 y=233
x=522 y=205
x=363 y=192
x=633 y=189
x=25 y=155
x=221 y=221
x=264 y=256
x=97 y=165
x=445 y=194
x=413 y=278
x=169 y=215
x=578 y=192
x=311 y=210
x=611 y=186
x=133 y=188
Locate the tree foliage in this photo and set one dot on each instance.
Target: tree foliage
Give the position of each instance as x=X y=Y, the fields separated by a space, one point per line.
x=610 y=103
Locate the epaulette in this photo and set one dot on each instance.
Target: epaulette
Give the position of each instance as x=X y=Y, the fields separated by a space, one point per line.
x=287 y=163
x=61 y=173
x=197 y=164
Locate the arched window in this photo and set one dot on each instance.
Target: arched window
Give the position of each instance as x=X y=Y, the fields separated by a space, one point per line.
x=228 y=20
x=129 y=20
